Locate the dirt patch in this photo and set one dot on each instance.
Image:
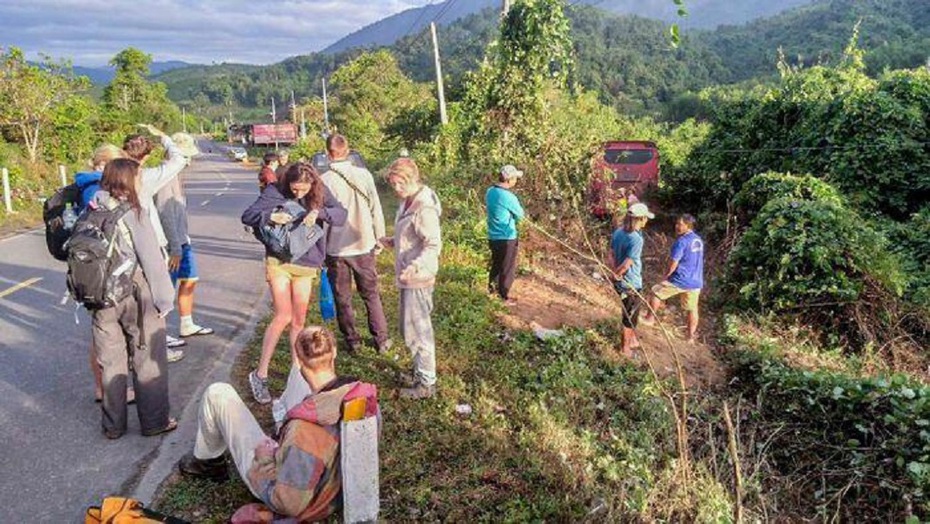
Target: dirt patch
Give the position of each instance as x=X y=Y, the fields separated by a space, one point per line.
x=555 y=290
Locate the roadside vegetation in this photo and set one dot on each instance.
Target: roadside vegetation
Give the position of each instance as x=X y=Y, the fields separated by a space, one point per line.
x=812 y=193
x=49 y=118
x=811 y=189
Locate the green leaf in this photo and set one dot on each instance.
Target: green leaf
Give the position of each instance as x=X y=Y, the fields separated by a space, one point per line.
x=676 y=35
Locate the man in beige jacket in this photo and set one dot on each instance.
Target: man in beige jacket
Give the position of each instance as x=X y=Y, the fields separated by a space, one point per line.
x=417 y=242
x=351 y=248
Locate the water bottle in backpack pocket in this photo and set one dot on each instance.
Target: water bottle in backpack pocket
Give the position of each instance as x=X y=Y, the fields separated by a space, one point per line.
x=99 y=272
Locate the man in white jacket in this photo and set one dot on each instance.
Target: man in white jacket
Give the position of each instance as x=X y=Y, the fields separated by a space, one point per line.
x=351 y=248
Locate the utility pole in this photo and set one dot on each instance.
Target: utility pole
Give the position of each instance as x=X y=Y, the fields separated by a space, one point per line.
x=505 y=7
x=303 y=125
x=442 y=97
x=184 y=119
x=325 y=109
x=274 y=120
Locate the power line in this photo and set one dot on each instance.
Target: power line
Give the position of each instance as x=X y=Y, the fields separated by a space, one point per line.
x=423 y=11
x=444 y=10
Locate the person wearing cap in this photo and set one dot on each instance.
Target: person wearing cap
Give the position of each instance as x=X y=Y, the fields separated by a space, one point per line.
x=283 y=163
x=172 y=211
x=685 y=275
x=504 y=211
x=626 y=262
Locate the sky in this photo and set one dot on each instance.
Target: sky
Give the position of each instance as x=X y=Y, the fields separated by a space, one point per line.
x=90 y=32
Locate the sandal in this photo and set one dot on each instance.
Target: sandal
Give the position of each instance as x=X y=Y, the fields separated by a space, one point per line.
x=172 y=425
x=198 y=331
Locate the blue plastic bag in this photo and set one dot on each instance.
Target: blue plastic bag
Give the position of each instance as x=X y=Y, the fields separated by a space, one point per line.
x=327 y=302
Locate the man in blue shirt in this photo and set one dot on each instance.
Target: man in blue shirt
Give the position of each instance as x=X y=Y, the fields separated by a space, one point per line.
x=685 y=274
x=504 y=211
x=626 y=262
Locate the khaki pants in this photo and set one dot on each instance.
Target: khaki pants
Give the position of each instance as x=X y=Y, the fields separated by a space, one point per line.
x=226 y=423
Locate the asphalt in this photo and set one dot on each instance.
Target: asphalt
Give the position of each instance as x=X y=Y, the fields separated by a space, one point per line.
x=55 y=460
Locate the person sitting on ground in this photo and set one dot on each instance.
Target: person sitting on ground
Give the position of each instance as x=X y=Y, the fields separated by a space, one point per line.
x=417 y=243
x=504 y=211
x=298 y=474
x=625 y=261
x=267 y=175
x=685 y=275
x=172 y=211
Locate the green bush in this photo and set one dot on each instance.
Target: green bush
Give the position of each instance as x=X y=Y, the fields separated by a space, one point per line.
x=760 y=189
x=859 y=444
x=812 y=257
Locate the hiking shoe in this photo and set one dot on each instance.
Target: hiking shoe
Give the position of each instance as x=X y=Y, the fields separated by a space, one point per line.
x=259 y=388
x=385 y=346
x=175 y=342
x=418 y=392
x=212 y=469
x=175 y=355
x=407 y=379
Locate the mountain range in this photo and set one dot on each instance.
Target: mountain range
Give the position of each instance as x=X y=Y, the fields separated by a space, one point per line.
x=104 y=74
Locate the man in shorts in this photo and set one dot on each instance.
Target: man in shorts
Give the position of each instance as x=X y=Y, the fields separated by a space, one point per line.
x=685 y=275
x=625 y=260
x=172 y=211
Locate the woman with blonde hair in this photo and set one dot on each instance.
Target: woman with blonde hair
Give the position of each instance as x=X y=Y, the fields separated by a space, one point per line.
x=89 y=183
x=417 y=243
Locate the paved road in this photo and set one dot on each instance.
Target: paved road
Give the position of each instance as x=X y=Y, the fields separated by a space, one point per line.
x=55 y=461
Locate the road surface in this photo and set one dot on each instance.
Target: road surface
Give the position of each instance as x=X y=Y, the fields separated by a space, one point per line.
x=55 y=460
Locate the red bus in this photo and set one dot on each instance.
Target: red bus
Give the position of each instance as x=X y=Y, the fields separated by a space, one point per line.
x=621 y=165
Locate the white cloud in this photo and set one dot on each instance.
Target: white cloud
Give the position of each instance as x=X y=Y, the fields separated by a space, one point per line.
x=90 y=32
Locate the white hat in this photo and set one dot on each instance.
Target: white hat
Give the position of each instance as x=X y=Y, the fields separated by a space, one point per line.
x=640 y=210
x=510 y=172
x=186 y=144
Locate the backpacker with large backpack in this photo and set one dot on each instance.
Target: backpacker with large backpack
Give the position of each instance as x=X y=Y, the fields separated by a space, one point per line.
x=99 y=273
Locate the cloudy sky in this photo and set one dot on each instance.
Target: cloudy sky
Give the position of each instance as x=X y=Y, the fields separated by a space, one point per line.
x=90 y=32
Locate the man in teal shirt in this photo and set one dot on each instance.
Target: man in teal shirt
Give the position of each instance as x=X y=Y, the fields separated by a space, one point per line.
x=504 y=211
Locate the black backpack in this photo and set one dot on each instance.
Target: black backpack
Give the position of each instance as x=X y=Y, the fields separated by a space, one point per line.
x=99 y=273
x=56 y=235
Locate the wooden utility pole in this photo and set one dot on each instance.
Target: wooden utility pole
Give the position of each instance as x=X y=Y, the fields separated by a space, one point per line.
x=325 y=109
x=442 y=97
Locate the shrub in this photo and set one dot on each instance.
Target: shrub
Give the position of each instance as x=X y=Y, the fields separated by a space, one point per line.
x=818 y=259
x=768 y=186
x=860 y=444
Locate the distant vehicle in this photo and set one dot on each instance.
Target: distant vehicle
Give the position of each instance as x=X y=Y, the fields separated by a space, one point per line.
x=621 y=165
x=321 y=162
x=238 y=153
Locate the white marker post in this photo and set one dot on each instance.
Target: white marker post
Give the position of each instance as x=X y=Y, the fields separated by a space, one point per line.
x=7 y=198
x=64 y=175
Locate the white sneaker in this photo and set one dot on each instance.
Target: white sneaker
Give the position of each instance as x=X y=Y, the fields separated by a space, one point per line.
x=175 y=342
x=175 y=355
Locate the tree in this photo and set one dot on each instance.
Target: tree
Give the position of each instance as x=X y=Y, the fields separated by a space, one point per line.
x=130 y=98
x=29 y=94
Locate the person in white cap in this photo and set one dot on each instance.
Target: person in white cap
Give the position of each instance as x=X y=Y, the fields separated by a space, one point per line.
x=504 y=211
x=626 y=262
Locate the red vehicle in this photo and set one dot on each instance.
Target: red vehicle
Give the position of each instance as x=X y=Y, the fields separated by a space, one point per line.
x=272 y=134
x=621 y=166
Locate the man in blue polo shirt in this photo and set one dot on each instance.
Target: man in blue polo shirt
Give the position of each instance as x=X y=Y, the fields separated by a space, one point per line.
x=504 y=211
x=685 y=275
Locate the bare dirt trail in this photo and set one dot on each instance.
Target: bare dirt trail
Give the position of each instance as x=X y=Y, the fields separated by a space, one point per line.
x=560 y=290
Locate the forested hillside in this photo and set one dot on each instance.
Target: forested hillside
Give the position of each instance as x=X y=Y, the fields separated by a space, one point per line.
x=628 y=60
